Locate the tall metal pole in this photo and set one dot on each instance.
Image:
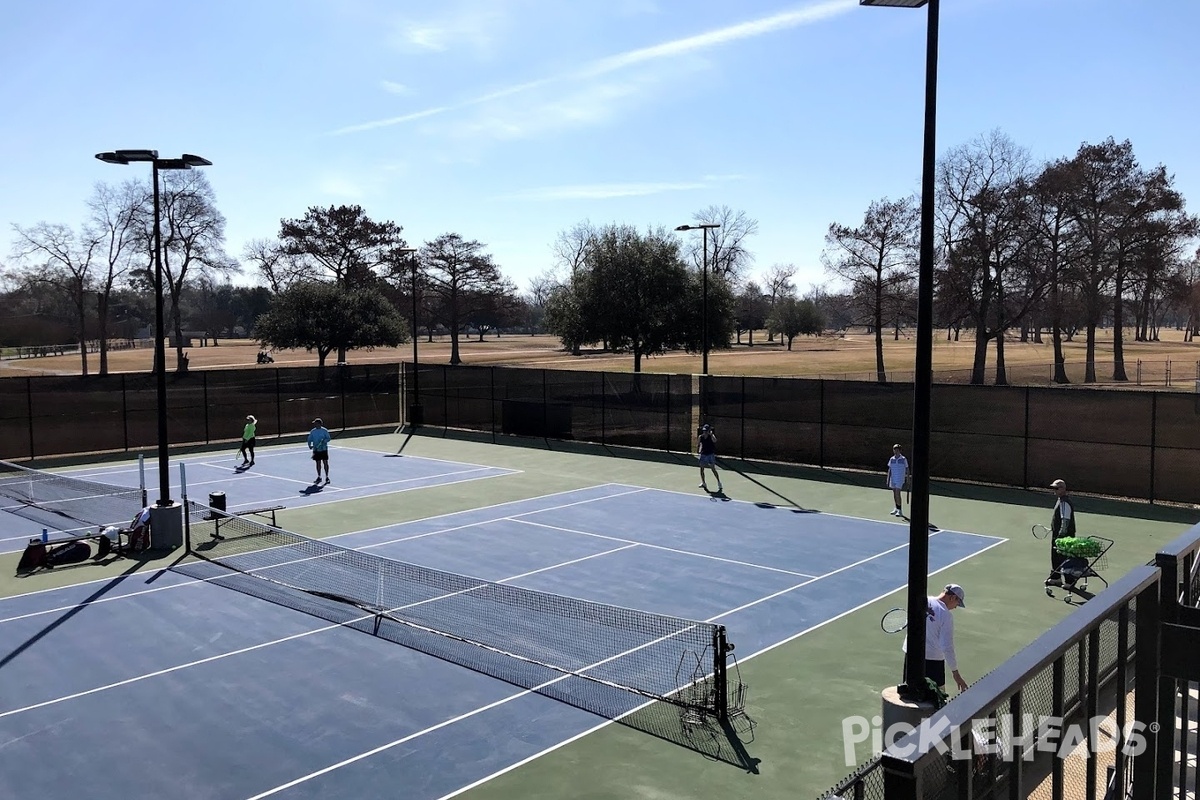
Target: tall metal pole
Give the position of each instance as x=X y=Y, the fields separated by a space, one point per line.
x=414 y=411
x=704 y=331
x=160 y=352
x=918 y=548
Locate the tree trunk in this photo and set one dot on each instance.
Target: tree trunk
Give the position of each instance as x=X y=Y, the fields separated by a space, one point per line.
x=1089 y=371
x=1118 y=324
x=102 y=331
x=880 y=374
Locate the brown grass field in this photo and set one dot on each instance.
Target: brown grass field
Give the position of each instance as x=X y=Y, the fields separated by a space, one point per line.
x=851 y=356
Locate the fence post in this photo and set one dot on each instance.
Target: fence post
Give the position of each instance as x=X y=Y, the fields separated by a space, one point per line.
x=742 y=452
x=604 y=411
x=1168 y=372
x=1025 y=445
x=29 y=410
x=278 y=406
x=124 y=413
x=492 y=395
x=1139 y=372
x=1153 y=431
x=204 y=385
x=821 y=424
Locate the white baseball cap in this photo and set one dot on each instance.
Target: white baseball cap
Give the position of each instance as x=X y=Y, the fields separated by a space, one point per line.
x=1059 y=484
x=957 y=591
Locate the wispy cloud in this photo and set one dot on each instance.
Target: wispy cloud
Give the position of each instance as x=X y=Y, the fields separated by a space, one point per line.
x=674 y=49
x=606 y=191
x=469 y=24
x=391 y=87
x=601 y=191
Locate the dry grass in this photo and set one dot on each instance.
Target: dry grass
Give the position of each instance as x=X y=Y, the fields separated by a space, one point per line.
x=830 y=356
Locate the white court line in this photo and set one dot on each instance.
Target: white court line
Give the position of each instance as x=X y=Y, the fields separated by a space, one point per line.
x=509 y=518
x=261 y=645
x=662 y=547
x=766 y=649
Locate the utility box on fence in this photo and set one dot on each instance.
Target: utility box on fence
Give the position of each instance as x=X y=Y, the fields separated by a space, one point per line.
x=536 y=418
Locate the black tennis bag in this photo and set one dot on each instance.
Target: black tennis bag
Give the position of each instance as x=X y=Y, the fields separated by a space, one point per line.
x=70 y=553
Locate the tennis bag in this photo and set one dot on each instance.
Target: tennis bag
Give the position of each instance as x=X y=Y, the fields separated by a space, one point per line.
x=70 y=553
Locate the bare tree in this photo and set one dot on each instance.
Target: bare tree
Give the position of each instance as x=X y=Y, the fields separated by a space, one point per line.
x=777 y=283
x=276 y=265
x=113 y=223
x=56 y=256
x=728 y=252
x=983 y=210
x=877 y=259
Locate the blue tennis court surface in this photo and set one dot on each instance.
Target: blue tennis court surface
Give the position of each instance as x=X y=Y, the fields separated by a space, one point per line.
x=157 y=685
x=281 y=476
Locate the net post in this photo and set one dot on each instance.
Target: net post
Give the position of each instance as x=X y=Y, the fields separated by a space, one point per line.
x=142 y=478
x=187 y=518
x=720 y=675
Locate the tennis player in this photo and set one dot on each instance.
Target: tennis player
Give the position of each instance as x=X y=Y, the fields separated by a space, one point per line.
x=708 y=456
x=897 y=474
x=939 y=637
x=318 y=442
x=1062 y=524
x=248 y=441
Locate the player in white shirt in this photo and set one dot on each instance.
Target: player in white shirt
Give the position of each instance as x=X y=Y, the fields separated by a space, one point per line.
x=939 y=637
x=897 y=474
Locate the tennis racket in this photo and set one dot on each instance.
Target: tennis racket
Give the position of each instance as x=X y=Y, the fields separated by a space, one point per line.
x=894 y=621
x=1040 y=531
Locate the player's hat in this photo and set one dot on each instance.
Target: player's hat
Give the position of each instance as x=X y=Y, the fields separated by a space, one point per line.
x=957 y=591
x=1059 y=484
x=317 y=421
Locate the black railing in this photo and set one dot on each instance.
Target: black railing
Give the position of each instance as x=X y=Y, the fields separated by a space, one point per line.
x=1123 y=669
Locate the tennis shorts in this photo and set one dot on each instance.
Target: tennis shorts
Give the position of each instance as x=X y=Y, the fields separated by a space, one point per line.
x=708 y=459
x=934 y=670
x=321 y=455
x=248 y=443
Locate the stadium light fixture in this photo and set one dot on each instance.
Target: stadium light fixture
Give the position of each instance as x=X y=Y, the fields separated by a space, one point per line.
x=187 y=161
x=914 y=686
x=704 y=292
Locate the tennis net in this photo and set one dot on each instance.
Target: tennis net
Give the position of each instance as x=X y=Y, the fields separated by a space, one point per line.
x=55 y=501
x=604 y=659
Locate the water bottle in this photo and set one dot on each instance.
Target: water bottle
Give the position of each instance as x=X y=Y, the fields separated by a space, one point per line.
x=45 y=535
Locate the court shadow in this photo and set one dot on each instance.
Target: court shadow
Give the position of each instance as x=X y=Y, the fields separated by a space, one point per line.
x=72 y=612
x=400 y=451
x=312 y=488
x=724 y=742
x=787 y=500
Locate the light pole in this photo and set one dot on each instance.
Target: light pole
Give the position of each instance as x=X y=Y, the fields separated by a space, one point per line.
x=186 y=161
x=914 y=686
x=415 y=411
x=704 y=290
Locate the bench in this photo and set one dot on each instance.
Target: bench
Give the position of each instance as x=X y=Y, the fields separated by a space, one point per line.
x=260 y=512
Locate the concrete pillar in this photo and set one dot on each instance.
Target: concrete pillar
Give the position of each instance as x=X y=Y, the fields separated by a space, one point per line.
x=907 y=712
x=166 y=526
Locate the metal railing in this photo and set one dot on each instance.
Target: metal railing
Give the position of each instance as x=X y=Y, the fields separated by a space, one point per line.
x=1118 y=680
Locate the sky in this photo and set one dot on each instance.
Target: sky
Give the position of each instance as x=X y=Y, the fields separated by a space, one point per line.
x=508 y=121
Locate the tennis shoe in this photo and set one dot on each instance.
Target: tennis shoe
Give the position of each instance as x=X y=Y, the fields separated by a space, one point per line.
x=703 y=486
x=327 y=481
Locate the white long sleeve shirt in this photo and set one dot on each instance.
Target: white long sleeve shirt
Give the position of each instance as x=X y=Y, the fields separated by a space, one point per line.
x=939 y=635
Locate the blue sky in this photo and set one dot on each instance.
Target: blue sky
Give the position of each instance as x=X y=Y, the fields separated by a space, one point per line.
x=508 y=121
